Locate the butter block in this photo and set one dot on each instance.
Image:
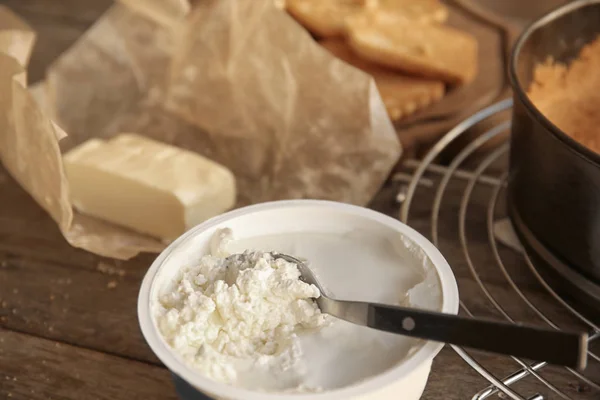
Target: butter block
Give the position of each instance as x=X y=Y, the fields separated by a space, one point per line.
x=147 y=186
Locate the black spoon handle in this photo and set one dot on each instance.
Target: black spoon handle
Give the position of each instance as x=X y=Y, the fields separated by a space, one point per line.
x=550 y=345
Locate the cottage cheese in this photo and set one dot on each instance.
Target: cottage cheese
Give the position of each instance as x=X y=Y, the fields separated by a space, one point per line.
x=237 y=318
x=251 y=322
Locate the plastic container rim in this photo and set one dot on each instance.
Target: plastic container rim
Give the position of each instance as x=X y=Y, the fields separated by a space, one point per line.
x=450 y=305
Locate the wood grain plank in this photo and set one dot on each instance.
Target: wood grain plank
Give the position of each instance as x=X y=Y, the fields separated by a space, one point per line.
x=90 y=309
x=32 y=368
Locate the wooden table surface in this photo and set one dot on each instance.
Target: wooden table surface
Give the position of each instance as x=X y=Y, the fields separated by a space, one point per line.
x=68 y=324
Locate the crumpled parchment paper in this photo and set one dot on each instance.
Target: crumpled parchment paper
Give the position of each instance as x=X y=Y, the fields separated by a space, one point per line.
x=238 y=81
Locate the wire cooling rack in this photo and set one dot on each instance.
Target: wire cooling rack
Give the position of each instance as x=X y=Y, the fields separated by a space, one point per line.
x=489 y=172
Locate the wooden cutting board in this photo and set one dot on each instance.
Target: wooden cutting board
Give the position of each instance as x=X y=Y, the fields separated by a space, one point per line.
x=496 y=24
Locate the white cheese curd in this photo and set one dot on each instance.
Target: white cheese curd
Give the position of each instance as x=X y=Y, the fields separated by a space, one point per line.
x=243 y=313
x=251 y=322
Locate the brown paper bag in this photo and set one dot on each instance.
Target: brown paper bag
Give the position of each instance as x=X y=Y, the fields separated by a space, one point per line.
x=235 y=80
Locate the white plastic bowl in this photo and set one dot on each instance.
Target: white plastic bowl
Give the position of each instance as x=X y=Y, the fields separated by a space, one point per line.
x=406 y=380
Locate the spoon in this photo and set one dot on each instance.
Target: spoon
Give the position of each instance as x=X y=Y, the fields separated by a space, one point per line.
x=553 y=346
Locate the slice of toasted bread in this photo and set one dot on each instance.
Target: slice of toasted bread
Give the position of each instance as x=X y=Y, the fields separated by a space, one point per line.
x=428 y=50
x=324 y=18
x=402 y=95
x=417 y=10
